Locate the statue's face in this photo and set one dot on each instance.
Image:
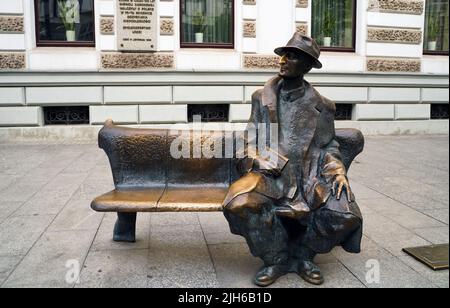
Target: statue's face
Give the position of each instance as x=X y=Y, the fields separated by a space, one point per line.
x=293 y=65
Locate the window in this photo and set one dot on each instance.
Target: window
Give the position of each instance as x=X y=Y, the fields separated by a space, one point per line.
x=436 y=27
x=64 y=22
x=207 y=23
x=333 y=24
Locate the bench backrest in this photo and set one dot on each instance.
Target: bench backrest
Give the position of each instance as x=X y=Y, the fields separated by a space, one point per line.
x=194 y=168
x=142 y=157
x=138 y=157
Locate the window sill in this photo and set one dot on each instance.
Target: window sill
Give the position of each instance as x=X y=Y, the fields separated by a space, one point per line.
x=435 y=57
x=184 y=50
x=436 y=53
x=337 y=49
x=339 y=53
x=62 y=49
x=203 y=47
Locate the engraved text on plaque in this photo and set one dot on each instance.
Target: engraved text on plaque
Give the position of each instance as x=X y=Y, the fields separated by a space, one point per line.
x=137 y=25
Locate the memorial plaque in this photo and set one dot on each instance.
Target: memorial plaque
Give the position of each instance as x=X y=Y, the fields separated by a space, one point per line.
x=137 y=25
x=434 y=256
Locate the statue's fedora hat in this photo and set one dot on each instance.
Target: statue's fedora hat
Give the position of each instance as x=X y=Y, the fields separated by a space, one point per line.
x=302 y=43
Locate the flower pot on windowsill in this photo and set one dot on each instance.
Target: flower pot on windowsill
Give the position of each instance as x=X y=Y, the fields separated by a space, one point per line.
x=199 y=37
x=327 y=41
x=432 y=45
x=70 y=35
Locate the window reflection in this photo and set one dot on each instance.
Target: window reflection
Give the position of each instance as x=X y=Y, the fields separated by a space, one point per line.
x=333 y=24
x=436 y=26
x=207 y=22
x=65 y=21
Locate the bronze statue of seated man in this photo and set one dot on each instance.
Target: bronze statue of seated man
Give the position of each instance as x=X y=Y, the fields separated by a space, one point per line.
x=291 y=211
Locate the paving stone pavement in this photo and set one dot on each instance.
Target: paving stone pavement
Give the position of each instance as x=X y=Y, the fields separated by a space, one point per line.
x=48 y=231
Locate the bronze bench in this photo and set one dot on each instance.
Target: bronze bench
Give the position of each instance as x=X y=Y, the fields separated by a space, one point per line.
x=148 y=179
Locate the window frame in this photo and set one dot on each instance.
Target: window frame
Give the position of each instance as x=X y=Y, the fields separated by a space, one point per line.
x=343 y=49
x=435 y=52
x=209 y=45
x=48 y=43
x=431 y=52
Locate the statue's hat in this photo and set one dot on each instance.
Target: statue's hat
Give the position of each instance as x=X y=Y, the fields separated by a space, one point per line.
x=302 y=43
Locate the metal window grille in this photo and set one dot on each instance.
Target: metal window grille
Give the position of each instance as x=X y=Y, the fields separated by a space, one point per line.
x=209 y=113
x=439 y=111
x=343 y=112
x=70 y=115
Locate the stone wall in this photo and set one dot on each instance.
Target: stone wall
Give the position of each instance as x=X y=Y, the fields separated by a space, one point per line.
x=12 y=36
x=128 y=61
x=394 y=42
x=11 y=24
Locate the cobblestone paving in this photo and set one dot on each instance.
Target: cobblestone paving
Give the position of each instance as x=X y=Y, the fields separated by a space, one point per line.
x=47 y=226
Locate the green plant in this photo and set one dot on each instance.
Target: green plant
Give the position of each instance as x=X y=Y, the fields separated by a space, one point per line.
x=67 y=14
x=433 y=28
x=199 y=21
x=329 y=23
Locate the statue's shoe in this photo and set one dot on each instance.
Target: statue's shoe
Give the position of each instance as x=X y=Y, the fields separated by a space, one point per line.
x=269 y=274
x=310 y=272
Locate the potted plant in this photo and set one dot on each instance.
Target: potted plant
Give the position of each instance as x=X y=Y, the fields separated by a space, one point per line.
x=433 y=30
x=199 y=23
x=69 y=12
x=329 y=23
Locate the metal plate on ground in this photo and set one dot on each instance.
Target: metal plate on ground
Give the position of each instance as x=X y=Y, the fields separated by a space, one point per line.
x=435 y=256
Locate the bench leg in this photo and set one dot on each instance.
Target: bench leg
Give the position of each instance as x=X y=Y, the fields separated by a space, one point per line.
x=125 y=228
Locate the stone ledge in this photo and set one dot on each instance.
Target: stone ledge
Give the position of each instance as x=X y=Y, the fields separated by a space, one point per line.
x=11 y=24
x=240 y=113
x=394 y=35
x=159 y=114
x=137 y=61
x=394 y=65
x=404 y=127
x=128 y=114
x=89 y=133
x=412 y=112
x=241 y=77
x=12 y=61
x=397 y=6
x=20 y=116
x=249 y=2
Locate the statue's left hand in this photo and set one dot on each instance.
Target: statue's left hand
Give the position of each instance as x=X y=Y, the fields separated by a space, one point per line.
x=340 y=182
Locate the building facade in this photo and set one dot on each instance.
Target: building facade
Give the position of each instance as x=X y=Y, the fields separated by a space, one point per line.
x=68 y=65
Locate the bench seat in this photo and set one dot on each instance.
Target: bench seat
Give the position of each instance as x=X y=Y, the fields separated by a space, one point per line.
x=176 y=199
x=128 y=200
x=192 y=199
